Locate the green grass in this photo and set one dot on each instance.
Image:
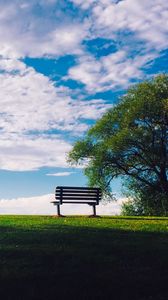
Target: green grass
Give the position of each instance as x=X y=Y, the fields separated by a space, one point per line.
x=83 y=258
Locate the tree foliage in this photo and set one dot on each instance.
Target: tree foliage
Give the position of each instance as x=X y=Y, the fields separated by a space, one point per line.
x=131 y=140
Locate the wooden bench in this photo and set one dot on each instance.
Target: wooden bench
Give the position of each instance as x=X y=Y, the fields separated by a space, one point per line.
x=82 y=195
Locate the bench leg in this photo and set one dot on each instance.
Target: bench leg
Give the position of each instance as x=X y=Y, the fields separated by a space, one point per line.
x=94 y=210
x=58 y=210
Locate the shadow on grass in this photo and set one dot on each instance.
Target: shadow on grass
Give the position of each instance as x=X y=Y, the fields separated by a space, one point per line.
x=70 y=262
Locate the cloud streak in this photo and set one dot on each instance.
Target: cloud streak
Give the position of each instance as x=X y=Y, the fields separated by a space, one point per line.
x=60 y=174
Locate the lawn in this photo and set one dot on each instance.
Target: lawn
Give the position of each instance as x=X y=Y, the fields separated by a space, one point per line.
x=42 y=257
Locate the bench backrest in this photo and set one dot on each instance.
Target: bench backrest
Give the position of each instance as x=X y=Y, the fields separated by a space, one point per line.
x=67 y=194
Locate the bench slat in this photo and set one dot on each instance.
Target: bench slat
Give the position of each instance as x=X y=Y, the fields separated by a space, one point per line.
x=76 y=188
x=78 y=198
x=77 y=192
x=76 y=202
x=73 y=192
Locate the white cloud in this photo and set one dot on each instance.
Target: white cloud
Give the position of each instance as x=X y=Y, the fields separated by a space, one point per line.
x=28 y=31
x=40 y=205
x=140 y=31
x=88 y=4
x=33 y=29
x=56 y=35
x=30 y=101
x=30 y=205
x=25 y=153
x=31 y=106
x=58 y=174
x=147 y=19
x=84 y=4
x=88 y=71
x=112 y=71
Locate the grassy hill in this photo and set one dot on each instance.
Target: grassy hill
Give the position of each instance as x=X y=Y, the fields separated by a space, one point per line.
x=83 y=258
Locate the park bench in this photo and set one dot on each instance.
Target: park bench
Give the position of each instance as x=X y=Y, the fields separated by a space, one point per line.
x=82 y=195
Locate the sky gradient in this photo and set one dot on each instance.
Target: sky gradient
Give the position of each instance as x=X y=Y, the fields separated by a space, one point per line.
x=62 y=65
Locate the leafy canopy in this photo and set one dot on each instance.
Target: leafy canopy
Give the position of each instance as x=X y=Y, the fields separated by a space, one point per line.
x=130 y=140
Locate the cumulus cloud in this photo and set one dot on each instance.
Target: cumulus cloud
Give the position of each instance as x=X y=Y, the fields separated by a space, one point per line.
x=148 y=20
x=50 y=32
x=31 y=106
x=40 y=205
x=30 y=101
x=38 y=29
x=115 y=70
x=140 y=31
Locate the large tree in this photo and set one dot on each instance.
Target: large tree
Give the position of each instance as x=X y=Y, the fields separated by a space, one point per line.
x=131 y=140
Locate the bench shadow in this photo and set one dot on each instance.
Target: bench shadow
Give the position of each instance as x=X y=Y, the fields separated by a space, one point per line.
x=82 y=263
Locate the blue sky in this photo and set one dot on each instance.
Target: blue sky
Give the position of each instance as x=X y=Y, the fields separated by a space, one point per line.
x=62 y=65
